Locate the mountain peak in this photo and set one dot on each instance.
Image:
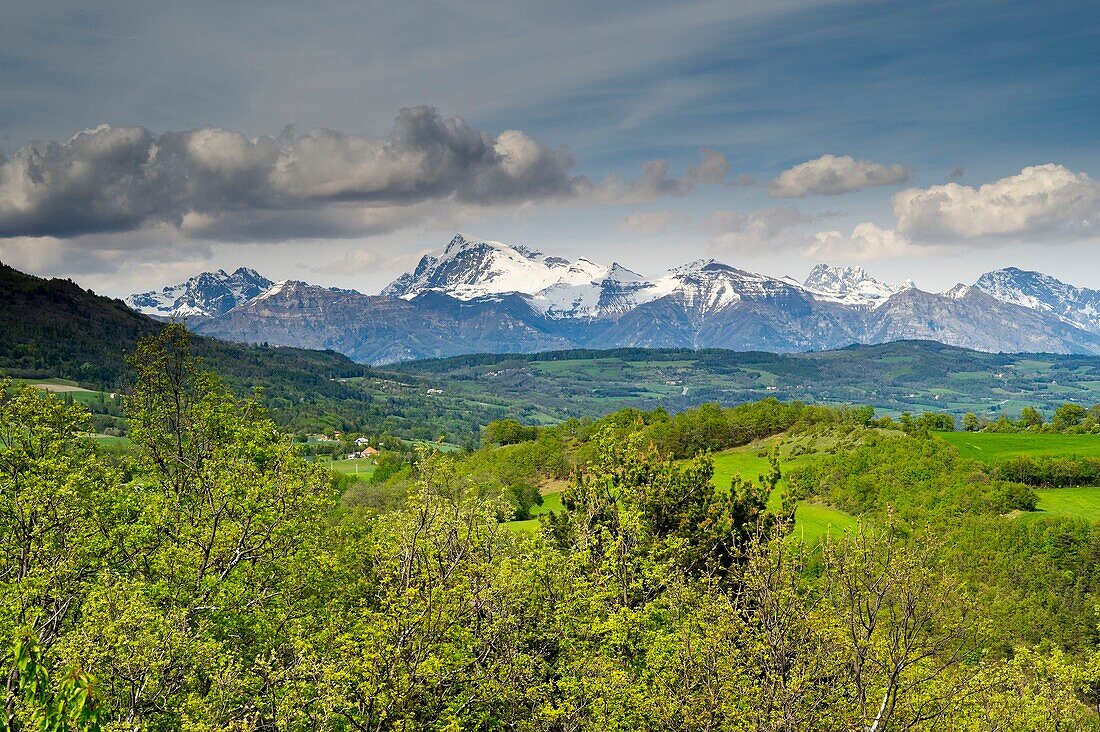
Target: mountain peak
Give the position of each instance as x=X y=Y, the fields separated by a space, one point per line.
x=1078 y=306
x=469 y=268
x=206 y=295
x=958 y=292
x=848 y=285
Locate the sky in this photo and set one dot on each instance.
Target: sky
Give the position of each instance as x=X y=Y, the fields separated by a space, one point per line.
x=337 y=142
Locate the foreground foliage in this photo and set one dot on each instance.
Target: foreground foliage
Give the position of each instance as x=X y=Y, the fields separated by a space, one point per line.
x=215 y=582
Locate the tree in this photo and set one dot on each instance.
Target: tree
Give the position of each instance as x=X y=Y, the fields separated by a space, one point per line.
x=65 y=704
x=1031 y=417
x=970 y=422
x=507 y=432
x=936 y=422
x=524 y=497
x=211 y=535
x=907 y=628
x=1068 y=415
x=54 y=493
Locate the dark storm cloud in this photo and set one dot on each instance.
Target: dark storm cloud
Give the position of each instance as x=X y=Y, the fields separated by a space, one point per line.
x=211 y=181
x=119 y=179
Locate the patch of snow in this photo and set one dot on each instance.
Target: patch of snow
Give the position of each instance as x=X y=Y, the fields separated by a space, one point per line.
x=851 y=286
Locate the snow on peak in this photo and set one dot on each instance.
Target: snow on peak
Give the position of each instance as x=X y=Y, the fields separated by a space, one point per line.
x=958 y=292
x=205 y=295
x=469 y=268
x=706 y=286
x=1078 y=306
x=851 y=286
x=595 y=292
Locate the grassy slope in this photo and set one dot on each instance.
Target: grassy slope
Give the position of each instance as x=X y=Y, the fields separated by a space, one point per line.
x=990 y=446
x=811 y=521
x=550 y=502
x=1082 y=503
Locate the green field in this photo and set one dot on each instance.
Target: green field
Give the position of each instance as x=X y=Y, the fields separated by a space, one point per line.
x=989 y=447
x=1082 y=503
x=363 y=467
x=992 y=446
x=111 y=440
x=811 y=521
x=550 y=502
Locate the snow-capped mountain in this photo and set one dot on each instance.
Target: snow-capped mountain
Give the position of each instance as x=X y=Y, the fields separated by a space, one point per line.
x=849 y=286
x=705 y=286
x=205 y=295
x=1078 y=306
x=469 y=268
x=478 y=295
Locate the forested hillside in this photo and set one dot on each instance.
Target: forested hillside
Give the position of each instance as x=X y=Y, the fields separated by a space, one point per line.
x=67 y=332
x=54 y=328
x=210 y=578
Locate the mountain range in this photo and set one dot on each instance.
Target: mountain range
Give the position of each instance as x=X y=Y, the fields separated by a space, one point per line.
x=205 y=295
x=475 y=295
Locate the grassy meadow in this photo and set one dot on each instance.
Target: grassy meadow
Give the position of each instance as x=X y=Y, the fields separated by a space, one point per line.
x=812 y=521
x=1082 y=503
x=990 y=447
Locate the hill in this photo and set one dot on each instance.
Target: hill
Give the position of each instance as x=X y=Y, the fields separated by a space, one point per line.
x=895 y=377
x=64 y=331
x=56 y=329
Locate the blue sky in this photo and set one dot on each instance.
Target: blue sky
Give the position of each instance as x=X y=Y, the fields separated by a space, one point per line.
x=967 y=93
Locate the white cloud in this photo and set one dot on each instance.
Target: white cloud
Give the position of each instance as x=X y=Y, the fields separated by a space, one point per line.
x=773 y=227
x=831 y=175
x=1041 y=199
x=867 y=242
x=655 y=181
x=648 y=223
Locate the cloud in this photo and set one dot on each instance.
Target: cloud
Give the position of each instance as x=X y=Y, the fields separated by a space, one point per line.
x=773 y=227
x=832 y=175
x=648 y=223
x=1040 y=200
x=217 y=183
x=867 y=242
x=113 y=179
x=359 y=260
x=655 y=181
x=103 y=255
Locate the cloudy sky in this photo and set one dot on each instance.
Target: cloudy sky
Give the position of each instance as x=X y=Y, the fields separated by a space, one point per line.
x=336 y=142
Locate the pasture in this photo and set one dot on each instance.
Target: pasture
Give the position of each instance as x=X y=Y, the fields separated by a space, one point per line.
x=362 y=467
x=1082 y=503
x=550 y=502
x=990 y=447
x=811 y=521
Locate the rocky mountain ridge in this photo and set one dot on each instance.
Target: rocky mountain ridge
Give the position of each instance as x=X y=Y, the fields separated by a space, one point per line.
x=476 y=295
